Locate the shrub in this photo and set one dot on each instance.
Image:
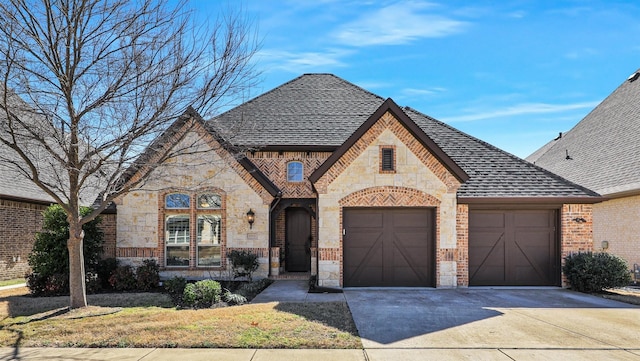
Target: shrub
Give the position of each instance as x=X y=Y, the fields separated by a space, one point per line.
x=123 y=279
x=233 y=298
x=251 y=289
x=49 y=259
x=175 y=287
x=202 y=294
x=594 y=272
x=243 y=263
x=105 y=269
x=148 y=275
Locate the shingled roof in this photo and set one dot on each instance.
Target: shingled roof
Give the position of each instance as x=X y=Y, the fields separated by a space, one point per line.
x=602 y=152
x=316 y=110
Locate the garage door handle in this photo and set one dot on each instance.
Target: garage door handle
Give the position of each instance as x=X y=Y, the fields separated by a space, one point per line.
x=344 y=232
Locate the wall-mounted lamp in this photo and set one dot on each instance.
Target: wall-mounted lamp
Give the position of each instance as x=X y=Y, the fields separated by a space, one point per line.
x=251 y=217
x=605 y=245
x=580 y=220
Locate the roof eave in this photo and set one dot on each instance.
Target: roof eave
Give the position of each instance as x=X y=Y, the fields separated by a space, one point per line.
x=531 y=200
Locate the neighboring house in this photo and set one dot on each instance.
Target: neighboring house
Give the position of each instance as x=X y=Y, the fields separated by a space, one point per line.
x=22 y=202
x=21 y=207
x=602 y=152
x=335 y=181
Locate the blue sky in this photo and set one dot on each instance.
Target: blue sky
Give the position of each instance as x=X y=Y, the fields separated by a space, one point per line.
x=512 y=73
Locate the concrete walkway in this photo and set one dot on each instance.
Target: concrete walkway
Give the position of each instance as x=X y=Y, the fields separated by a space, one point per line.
x=430 y=324
x=295 y=291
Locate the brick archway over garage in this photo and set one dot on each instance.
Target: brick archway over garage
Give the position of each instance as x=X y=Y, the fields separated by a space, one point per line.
x=389 y=196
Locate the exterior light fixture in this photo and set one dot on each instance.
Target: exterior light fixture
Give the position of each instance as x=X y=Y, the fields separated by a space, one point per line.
x=251 y=217
x=579 y=220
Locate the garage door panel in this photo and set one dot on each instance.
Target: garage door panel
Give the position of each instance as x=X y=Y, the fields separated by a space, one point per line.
x=404 y=256
x=532 y=219
x=489 y=219
x=366 y=219
x=527 y=254
x=408 y=219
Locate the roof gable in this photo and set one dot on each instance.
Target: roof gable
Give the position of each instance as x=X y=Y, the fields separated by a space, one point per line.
x=192 y=121
x=390 y=106
x=601 y=151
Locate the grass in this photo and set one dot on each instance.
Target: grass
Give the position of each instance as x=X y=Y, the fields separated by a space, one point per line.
x=150 y=320
x=16 y=281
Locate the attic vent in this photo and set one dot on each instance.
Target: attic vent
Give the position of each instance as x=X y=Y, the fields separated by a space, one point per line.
x=633 y=76
x=387 y=159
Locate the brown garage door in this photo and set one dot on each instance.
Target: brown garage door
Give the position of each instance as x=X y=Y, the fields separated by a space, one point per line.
x=390 y=247
x=513 y=248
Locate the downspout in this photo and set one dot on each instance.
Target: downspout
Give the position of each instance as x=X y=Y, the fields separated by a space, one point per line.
x=274 y=204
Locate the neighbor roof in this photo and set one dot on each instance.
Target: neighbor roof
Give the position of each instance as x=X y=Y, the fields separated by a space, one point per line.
x=316 y=110
x=602 y=151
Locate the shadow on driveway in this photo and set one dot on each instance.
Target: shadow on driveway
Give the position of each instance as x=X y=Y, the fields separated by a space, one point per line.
x=495 y=318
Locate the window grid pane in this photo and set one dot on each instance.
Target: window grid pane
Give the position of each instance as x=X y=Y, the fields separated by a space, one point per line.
x=209 y=229
x=177 y=201
x=209 y=201
x=294 y=172
x=177 y=229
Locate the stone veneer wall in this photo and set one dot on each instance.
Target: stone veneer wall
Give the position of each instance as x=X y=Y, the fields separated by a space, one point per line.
x=617 y=222
x=140 y=220
x=355 y=180
x=19 y=223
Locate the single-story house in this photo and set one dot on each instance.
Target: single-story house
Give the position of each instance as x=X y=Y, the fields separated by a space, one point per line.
x=602 y=152
x=319 y=176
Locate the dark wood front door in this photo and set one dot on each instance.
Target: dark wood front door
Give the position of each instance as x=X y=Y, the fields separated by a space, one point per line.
x=389 y=247
x=298 y=240
x=513 y=248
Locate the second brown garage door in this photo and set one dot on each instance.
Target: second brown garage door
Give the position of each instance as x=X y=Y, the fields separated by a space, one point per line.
x=388 y=247
x=513 y=248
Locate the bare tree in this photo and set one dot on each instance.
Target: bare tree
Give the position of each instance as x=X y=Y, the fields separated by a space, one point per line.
x=89 y=84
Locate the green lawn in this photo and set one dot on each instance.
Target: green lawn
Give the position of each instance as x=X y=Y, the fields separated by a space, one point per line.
x=16 y=281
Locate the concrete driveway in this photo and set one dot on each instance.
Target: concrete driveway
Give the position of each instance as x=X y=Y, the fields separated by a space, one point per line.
x=493 y=324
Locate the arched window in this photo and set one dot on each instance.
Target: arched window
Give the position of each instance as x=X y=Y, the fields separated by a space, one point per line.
x=295 y=172
x=181 y=236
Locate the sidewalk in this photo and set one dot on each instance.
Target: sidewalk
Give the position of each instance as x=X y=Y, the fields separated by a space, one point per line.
x=162 y=354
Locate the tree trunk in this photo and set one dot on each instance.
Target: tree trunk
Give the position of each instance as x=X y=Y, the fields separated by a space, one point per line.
x=77 y=287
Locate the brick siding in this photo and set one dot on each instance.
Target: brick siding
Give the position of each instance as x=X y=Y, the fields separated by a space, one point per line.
x=274 y=166
x=616 y=221
x=19 y=223
x=462 y=244
x=577 y=230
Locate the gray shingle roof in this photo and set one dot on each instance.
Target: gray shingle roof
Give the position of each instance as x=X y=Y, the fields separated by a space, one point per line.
x=313 y=109
x=322 y=109
x=604 y=147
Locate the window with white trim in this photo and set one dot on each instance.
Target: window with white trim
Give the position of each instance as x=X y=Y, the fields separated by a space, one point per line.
x=193 y=222
x=295 y=172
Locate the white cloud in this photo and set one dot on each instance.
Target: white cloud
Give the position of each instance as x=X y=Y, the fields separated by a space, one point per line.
x=421 y=92
x=399 y=23
x=302 y=62
x=521 y=109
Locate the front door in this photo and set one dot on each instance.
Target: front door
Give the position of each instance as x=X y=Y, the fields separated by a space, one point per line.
x=298 y=240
